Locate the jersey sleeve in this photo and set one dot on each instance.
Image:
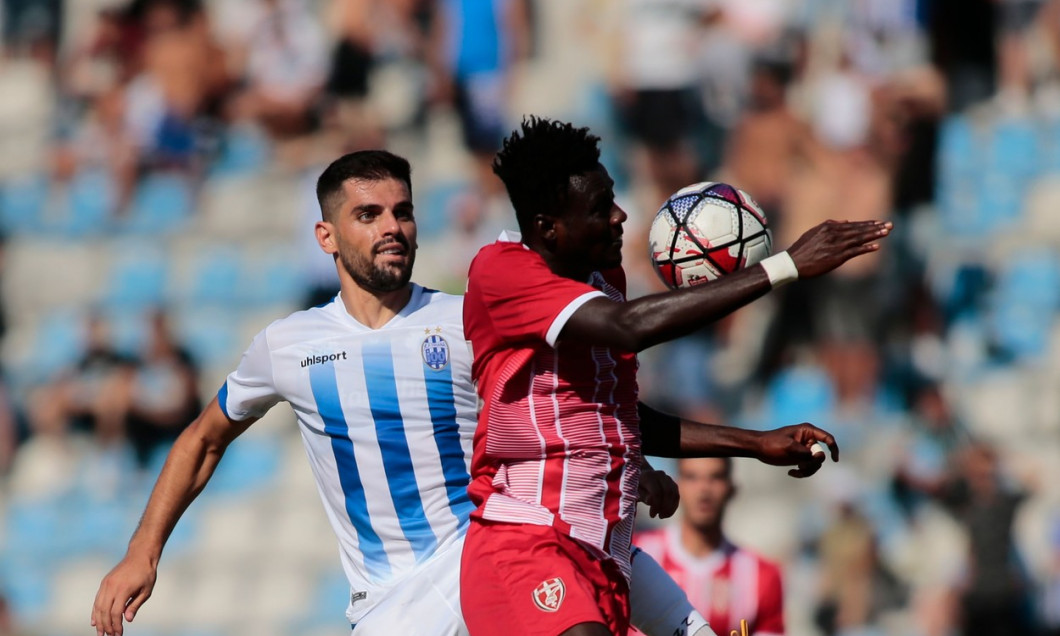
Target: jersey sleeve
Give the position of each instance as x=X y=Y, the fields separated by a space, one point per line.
x=524 y=299
x=249 y=391
x=770 y=601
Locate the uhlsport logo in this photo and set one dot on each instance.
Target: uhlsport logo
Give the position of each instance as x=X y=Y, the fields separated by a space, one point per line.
x=435 y=352
x=321 y=359
x=548 y=596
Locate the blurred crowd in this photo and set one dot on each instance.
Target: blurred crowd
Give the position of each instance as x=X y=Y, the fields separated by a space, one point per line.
x=192 y=130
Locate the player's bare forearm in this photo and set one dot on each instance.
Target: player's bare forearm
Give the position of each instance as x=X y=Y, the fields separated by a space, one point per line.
x=666 y=435
x=651 y=320
x=644 y=322
x=190 y=463
x=189 y=466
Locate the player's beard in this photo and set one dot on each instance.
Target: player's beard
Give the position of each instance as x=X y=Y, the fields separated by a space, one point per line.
x=372 y=277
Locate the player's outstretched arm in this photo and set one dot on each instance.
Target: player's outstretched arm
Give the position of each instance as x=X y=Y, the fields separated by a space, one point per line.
x=665 y=435
x=190 y=463
x=644 y=322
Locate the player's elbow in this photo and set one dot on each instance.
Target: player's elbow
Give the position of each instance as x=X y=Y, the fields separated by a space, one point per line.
x=633 y=331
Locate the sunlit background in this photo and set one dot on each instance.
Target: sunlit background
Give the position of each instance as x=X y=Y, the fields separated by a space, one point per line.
x=157 y=162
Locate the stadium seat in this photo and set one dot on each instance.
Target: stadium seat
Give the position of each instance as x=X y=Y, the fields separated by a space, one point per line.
x=27 y=586
x=91 y=201
x=138 y=277
x=435 y=203
x=210 y=334
x=801 y=394
x=58 y=341
x=22 y=204
x=162 y=203
x=276 y=278
x=1025 y=302
x=244 y=150
x=37 y=527
x=250 y=464
x=216 y=279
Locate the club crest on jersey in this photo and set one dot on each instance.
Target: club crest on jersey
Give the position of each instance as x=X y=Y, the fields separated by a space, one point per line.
x=548 y=596
x=435 y=352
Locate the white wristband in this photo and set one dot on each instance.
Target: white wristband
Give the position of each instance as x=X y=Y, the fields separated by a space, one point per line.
x=780 y=269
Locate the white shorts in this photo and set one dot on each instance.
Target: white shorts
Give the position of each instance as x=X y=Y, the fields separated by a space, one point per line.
x=427 y=602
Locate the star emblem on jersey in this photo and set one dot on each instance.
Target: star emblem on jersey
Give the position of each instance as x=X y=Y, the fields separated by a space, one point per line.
x=548 y=596
x=435 y=352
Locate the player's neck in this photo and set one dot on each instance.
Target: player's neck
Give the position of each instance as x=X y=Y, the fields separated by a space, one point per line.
x=373 y=309
x=700 y=542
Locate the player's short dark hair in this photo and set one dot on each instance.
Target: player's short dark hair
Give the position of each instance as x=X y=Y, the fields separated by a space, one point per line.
x=536 y=165
x=372 y=165
x=727 y=461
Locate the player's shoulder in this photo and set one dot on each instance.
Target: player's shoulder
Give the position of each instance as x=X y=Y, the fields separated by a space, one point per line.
x=508 y=246
x=302 y=325
x=441 y=300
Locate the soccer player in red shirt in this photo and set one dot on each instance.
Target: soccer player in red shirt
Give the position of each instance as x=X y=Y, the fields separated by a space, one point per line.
x=726 y=583
x=558 y=449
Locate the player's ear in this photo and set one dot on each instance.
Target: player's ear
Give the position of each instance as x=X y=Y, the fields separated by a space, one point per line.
x=325 y=233
x=545 y=225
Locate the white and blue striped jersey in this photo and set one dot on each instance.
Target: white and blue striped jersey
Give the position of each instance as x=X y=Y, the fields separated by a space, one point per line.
x=387 y=416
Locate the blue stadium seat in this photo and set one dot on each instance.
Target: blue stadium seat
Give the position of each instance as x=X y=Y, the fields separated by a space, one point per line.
x=91 y=201
x=217 y=279
x=1025 y=302
x=138 y=277
x=37 y=529
x=276 y=278
x=249 y=464
x=434 y=206
x=22 y=204
x=211 y=335
x=162 y=203
x=332 y=595
x=58 y=342
x=243 y=150
x=26 y=584
x=800 y=394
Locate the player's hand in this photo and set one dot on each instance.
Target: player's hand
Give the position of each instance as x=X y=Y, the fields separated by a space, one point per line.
x=121 y=594
x=659 y=492
x=832 y=243
x=793 y=446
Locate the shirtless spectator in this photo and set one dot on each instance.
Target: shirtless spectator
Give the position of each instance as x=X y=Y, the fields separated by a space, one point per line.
x=767 y=142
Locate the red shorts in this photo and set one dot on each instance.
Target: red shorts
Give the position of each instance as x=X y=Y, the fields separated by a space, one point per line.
x=522 y=579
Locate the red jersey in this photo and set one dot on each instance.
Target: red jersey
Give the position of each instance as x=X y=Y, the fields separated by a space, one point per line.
x=558 y=439
x=725 y=586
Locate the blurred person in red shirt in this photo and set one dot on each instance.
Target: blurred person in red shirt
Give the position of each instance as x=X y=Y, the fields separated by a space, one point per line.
x=725 y=582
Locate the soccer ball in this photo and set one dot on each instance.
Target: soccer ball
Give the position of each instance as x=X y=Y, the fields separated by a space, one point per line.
x=707 y=230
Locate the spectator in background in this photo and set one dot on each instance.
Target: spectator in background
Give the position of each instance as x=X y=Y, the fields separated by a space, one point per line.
x=964 y=49
x=1051 y=591
x=32 y=27
x=9 y=431
x=286 y=67
x=656 y=88
x=996 y=597
x=91 y=396
x=843 y=175
x=768 y=141
x=163 y=394
x=182 y=85
x=475 y=44
x=857 y=589
x=724 y=582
